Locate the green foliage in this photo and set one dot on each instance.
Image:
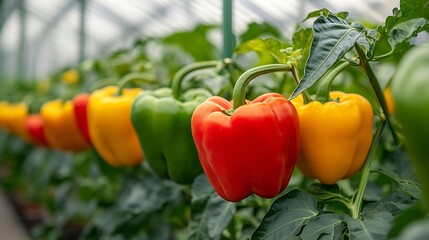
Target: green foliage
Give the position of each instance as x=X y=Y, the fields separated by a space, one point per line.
x=210 y=214
x=194 y=42
x=132 y=203
x=333 y=38
x=287 y=216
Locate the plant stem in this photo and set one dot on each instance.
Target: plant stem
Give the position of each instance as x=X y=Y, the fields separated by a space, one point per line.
x=176 y=83
x=231 y=229
x=322 y=94
x=366 y=67
x=141 y=77
x=358 y=197
x=242 y=82
x=295 y=75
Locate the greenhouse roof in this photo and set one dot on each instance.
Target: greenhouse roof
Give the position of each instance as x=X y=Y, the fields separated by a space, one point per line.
x=52 y=27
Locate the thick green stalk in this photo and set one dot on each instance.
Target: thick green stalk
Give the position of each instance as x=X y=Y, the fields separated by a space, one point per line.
x=325 y=87
x=239 y=92
x=366 y=67
x=176 y=84
x=131 y=77
x=358 y=197
x=295 y=75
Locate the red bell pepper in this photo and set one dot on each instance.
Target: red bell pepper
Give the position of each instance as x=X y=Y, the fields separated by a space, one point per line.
x=252 y=148
x=80 y=105
x=35 y=127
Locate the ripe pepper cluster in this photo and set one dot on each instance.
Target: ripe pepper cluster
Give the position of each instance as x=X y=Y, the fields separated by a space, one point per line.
x=244 y=147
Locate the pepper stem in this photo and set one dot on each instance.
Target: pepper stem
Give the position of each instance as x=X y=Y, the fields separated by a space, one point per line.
x=358 y=197
x=364 y=64
x=176 y=84
x=239 y=93
x=322 y=94
x=141 y=77
x=295 y=75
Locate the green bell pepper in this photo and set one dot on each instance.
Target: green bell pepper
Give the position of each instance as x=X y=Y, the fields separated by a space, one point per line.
x=410 y=92
x=162 y=121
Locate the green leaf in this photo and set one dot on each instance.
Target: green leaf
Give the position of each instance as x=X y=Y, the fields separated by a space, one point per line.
x=325 y=12
x=373 y=225
x=255 y=30
x=324 y=226
x=218 y=214
x=147 y=194
x=302 y=40
x=281 y=51
x=377 y=218
x=406 y=218
x=401 y=171
x=395 y=203
x=324 y=192
x=317 y=13
x=210 y=214
x=201 y=188
x=415 y=8
x=287 y=216
x=194 y=42
x=333 y=38
x=405 y=30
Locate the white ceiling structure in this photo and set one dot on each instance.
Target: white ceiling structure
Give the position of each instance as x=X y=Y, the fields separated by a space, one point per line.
x=52 y=26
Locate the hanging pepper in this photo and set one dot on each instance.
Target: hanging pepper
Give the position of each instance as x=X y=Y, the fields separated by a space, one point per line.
x=249 y=147
x=335 y=136
x=410 y=91
x=110 y=127
x=61 y=129
x=80 y=105
x=162 y=120
x=14 y=116
x=35 y=127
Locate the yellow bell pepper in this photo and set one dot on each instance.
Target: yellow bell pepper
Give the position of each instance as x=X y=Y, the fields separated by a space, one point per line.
x=4 y=106
x=61 y=129
x=110 y=128
x=70 y=76
x=12 y=118
x=335 y=137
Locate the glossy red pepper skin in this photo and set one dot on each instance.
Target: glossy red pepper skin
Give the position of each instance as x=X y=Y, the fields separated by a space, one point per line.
x=253 y=150
x=80 y=105
x=35 y=127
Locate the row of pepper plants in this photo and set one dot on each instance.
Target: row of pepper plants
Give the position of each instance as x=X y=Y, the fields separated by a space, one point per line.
x=332 y=143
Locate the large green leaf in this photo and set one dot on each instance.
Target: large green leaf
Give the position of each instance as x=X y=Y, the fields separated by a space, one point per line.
x=401 y=171
x=279 y=50
x=302 y=40
x=255 y=30
x=395 y=203
x=218 y=214
x=376 y=218
x=405 y=30
x=210 y=214
x=373 y=225
x=324 y=226
x=403 y=24
x=194 y=42
x=415 y=8
x=147 y=194
x=325 y=12
x=333 y=38
x=287 y=216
